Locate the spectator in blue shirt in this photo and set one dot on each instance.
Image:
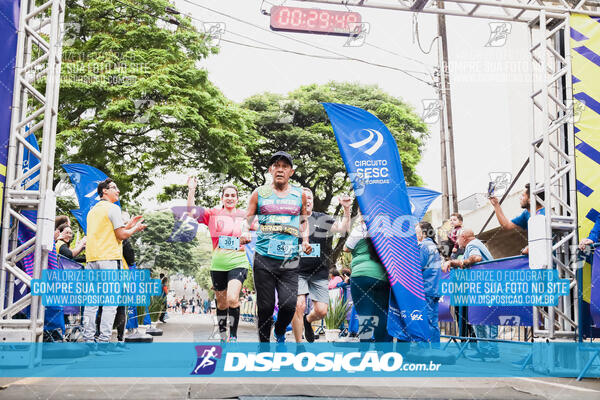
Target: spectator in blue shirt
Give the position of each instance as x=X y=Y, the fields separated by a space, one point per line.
x=521 y=219
x=431 y=263
x=475 y=251
x=593 y=237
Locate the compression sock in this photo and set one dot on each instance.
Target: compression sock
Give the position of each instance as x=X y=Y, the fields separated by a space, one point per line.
x=234 y=319
x=222 y=321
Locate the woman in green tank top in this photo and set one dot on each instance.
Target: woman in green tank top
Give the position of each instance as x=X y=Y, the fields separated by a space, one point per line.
x=229 y=264
x=369 y=286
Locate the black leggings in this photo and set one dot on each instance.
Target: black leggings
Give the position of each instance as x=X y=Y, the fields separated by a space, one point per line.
x=271 y=274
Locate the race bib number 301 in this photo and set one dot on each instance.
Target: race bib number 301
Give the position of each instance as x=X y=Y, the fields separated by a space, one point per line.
x=281 y=248
x=229 y=242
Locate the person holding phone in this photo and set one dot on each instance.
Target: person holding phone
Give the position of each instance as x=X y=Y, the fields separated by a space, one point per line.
x=521 y=220
x=229 y=265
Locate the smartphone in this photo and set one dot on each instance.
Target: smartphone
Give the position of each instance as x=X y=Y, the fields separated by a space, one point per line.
x=491 y=189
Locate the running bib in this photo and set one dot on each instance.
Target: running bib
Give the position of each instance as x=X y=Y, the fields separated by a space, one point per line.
x=316 y=250
x=281 y=248
x=229 y=242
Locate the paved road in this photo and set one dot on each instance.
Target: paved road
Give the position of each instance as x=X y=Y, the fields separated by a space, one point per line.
x=189 y=327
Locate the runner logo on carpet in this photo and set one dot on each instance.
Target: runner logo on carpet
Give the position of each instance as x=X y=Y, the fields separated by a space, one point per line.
x=207 y=359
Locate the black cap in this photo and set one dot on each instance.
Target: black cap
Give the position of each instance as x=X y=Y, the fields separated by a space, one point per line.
x=281 y=155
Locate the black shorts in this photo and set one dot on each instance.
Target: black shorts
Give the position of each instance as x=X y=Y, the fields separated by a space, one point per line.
x=276 y=264
x=220 y=279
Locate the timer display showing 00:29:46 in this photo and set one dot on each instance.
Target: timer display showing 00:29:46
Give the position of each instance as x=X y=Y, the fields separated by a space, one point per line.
x=315 y=20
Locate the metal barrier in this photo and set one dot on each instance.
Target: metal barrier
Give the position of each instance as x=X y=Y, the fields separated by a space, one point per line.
x=505 y=332
x=248 y=311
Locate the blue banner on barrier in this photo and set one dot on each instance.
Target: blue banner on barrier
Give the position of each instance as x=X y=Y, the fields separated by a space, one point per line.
x=495 y=315
x=31 y=161
x=444 y=310
x=373 y=164
x=68 y=264
x=96 y=287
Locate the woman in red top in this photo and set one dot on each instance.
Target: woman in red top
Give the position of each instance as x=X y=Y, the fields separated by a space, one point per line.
x=229 y=266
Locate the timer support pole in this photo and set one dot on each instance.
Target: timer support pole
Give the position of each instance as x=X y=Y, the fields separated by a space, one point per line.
x=443 y=156
x=447 y=103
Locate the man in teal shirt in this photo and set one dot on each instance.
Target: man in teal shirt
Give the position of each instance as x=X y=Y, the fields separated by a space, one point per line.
x=281 y=211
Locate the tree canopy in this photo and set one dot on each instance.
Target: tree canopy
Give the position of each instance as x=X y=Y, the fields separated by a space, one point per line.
x=134 y=100
x=298 y=124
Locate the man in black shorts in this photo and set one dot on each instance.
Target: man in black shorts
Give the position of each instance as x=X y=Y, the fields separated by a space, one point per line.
x=313 y=272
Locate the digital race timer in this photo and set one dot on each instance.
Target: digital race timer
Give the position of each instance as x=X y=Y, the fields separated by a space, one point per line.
x=315 y=20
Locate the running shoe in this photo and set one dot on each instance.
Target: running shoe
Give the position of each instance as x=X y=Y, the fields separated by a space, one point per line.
x=475 y=356
x=120 y=347
x=279 y=338
x=492 y=357
x=102 y=349
x=232 y=339
x=485 y=357
x=309 y=334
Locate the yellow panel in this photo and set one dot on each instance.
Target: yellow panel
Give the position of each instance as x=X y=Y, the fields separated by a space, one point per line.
x=584 y=25
x=587 y=170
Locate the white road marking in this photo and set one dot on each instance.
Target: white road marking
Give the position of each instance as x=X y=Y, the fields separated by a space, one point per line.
x=562 y=385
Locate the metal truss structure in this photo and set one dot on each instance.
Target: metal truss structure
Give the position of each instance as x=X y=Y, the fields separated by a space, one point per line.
x=552 y=151
x=37 y=65
x=503 y=10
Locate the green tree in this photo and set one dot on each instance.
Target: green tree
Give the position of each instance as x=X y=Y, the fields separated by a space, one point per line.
x=202 y=252
x=133 y=100
x=153 y=248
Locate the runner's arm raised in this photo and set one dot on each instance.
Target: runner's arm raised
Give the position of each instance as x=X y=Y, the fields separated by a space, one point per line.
x=304 y=228
x=191 y=197
x=344 y=225
x=502 y=220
